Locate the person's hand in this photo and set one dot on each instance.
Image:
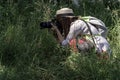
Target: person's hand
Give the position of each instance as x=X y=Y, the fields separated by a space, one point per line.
x=60 y=37
x=54 y=27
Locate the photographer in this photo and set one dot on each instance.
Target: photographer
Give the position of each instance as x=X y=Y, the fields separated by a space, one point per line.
x=81 y=36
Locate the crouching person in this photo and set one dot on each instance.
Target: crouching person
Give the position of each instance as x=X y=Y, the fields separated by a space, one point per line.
x=82 y=36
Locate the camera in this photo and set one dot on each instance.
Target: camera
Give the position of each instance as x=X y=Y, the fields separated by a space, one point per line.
x=47 y=24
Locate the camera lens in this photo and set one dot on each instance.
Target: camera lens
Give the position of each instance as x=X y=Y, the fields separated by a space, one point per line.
x=45 y=24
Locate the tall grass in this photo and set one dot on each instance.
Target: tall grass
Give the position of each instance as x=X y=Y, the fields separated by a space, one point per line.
x=29 y=53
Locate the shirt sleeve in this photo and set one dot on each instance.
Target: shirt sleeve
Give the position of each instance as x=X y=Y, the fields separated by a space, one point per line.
x=75 y=29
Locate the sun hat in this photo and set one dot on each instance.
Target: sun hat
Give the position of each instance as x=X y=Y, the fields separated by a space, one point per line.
x=64 y=11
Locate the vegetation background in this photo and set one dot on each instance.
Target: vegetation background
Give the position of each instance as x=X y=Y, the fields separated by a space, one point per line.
x=29 y=53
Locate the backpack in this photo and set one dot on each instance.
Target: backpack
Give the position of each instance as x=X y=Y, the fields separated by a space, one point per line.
x=97 y=23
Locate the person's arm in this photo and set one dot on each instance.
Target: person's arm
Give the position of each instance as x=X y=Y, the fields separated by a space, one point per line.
x=75 y=29
x=60 y=37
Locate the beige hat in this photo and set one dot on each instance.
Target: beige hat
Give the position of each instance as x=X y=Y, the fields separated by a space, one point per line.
x=64 y=11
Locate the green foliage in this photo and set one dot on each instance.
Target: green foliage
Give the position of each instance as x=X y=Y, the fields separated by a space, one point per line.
x=29 y=53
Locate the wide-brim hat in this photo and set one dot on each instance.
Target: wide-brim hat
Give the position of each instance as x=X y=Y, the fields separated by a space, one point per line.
x=64 y=11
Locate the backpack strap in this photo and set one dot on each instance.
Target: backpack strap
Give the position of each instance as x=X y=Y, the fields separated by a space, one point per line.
x=89 y=31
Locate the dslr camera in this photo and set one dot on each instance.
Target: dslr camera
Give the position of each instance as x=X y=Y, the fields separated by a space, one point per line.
x=47 y=24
